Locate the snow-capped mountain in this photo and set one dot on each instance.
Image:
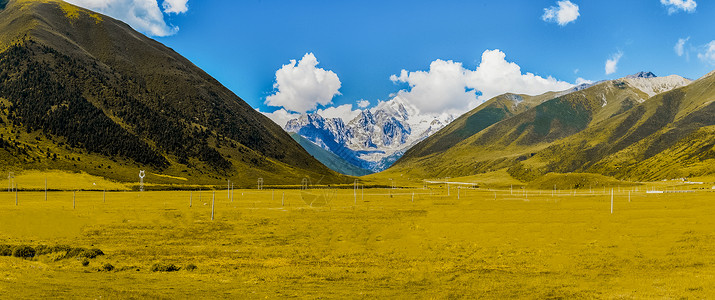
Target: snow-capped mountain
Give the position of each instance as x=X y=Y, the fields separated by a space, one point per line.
x=655 y=85
x=642 y=74
x=376 y=138
x=647 y=82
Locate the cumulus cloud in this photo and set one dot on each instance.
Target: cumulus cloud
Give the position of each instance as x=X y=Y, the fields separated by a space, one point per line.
x=677 y=5
x=363 y=103
x=580 y=81
x=301 y=86
x=565 y=13
x=142 y=15
x=175 y=6
x=445 y=86
x=344 y=112
x=708 y=53
x=449 y=87
x=680 y=46
x=612 y=63
x=281 y=116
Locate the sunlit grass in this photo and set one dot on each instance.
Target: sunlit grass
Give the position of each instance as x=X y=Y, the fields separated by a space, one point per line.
x=371 y=243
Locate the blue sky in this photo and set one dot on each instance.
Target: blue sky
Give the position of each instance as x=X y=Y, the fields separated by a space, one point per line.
x=244 y=43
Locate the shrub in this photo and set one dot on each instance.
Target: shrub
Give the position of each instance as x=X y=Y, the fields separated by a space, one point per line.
x=85 y=262
x=190 y=267
x=23 y=252
x=61 y=248
x=164 y=268
x=91 y=253
x=128 y=268
x=69 y=251
x=42 y=250
x=107 y=267
x=5 y=250
x=75 y=252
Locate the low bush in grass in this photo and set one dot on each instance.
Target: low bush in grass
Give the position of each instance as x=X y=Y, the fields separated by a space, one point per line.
x=5 y=250
x=90 y=253
x=158 y=267
x=70 y=252
x=107 y=267
x=128 y=268
x=23 y=251
x=42 y=250
x=190 y=267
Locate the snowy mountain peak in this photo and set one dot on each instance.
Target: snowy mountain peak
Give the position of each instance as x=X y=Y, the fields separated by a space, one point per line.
x=642 y=75
x=365 y=118
x=374 y=139
x=656 y=85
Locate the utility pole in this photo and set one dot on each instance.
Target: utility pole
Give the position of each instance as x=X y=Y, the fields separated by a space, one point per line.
x=611 y=200
x=213 y=200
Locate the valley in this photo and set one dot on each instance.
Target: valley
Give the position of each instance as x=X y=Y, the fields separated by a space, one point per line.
x=384 y=243
x=133 y=173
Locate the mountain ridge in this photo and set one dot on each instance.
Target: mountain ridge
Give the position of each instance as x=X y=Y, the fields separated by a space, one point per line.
x=527 y=143
x=109 y=91
x=375 y=138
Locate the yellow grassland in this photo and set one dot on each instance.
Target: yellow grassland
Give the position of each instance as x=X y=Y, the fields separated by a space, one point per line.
x=372 y=243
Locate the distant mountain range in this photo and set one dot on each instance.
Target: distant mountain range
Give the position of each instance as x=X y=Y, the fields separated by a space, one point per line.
x=507 y=127
x=81 y=91
x=640 y=127
x=328 y=158
x=374 y=139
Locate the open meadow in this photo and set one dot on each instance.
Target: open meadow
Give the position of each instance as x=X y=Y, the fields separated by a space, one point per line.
x=371 y=243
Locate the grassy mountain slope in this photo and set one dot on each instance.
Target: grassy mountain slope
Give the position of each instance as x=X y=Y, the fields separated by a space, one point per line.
x=83 y=85
x=525 y=132
x=468 y=124
x=608 y=128
x=668 y=136
x=328 y=158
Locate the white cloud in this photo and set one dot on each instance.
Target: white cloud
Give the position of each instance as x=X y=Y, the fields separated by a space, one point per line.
x=565 y=13
x=175 y=6
x=344 y=112
x=676 y=5
x=449 y=87
x=363 y=103
x=281 y=116
x=612 y=63
x=580 y=81
x=680 y=46
x=142 y=15
x=443 y=87
x=302 y=87
x=708 y=54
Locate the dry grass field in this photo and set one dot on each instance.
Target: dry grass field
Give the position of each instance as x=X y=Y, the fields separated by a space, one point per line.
x=474 y=243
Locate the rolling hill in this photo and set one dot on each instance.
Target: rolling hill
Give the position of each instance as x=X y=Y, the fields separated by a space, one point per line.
x=468 y=124
x=614 y=128
x=81 y=91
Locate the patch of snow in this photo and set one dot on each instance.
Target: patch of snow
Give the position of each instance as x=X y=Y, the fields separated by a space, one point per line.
x=642 y=75
x=656 y=85
x=374 y=139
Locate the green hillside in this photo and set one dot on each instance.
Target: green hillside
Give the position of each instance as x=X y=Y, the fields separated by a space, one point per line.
x=668 y=136
x=611 y=128
x=328 y=158
x=81 y=91
x=490 y=112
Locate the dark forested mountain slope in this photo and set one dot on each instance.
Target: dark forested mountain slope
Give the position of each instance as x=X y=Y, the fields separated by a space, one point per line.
x=75 y=82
